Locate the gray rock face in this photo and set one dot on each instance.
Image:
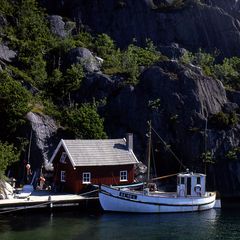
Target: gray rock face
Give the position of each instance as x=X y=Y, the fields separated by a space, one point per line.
x=184 y=93
x=97 y=86
x=230 y=6
x=43 y=141
x=234 y=96
x=57 y=26
x=84 y=57
x=172 y=51
x=187 y=98
x=6 y=54
x=194 y=27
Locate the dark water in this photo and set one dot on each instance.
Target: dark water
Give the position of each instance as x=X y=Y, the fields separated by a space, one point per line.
x=213 y=224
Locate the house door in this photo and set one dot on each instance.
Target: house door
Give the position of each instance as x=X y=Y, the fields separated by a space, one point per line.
x=188 y=186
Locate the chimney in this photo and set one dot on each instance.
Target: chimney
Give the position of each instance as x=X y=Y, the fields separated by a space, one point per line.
x=129 y=139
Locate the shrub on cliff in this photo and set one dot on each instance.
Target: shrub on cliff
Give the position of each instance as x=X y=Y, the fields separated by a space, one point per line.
x=223 y=120
x=84 y=122
x=228 y=71
x=59 y=85
x=14 y=104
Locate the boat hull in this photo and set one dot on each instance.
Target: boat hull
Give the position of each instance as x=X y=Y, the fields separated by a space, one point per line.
x=126 y=201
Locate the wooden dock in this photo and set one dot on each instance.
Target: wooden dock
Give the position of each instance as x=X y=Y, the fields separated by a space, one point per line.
x=48 y=200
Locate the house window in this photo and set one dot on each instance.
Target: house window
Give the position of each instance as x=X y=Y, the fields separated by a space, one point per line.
x=63 y=157
x=63 y=176
x=86 y=177
x=123 y=176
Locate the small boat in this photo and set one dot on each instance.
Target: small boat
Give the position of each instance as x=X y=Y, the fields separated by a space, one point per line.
x=190 y=195
x=25 y=192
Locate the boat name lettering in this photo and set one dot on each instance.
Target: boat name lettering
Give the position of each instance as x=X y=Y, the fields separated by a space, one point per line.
x=127 y=195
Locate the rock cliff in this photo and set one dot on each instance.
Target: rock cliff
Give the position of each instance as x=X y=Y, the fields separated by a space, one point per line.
x=186 y=101
x=209 y=25
x=179 y=99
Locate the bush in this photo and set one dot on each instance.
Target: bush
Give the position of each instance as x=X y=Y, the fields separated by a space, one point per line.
x=14 y=104
x=204 y=60
x=8 y=155
x=233 y=154
x=220 y=120
x=223 y=120
x=84 y=122
x=228 y=71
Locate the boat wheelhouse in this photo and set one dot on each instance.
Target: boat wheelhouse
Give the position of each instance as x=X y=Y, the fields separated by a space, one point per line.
x=191 y=184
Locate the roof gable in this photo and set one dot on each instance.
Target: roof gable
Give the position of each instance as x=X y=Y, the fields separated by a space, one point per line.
x=104 y=152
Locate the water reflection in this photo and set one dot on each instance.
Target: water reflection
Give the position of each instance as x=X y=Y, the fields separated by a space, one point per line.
x=213 y=224
x=158 y=226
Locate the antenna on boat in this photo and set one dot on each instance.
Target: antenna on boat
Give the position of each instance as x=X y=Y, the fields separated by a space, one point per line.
x=149 y=149
x=205 y=146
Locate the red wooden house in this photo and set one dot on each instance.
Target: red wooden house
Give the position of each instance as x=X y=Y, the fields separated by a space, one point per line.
x=78 y=163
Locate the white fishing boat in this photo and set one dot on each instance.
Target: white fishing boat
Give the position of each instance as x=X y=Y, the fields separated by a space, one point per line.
x=190 y=195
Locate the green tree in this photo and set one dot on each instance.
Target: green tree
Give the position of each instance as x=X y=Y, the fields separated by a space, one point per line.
x=73 y=79
x=32 y=39
x=7 y=7
x=60 y=86
x=204 y=60
x=106 y=49
x=229 y=72
x=134 y=57
x=104 y=45
x=54 y=88
x=85 y=122
x=14 y=104
x=8 y=155
x=32 y=25
x=84 y=39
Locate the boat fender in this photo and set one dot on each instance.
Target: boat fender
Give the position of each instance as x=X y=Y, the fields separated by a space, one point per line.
x=182 y=192
x=197 y=189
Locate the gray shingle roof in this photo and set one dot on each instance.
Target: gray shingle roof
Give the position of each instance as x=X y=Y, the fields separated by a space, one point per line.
x=98 y=152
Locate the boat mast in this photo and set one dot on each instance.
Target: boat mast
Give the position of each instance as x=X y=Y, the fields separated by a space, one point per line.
x=149 y=150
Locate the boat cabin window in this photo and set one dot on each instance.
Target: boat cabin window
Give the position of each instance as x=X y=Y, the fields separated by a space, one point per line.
x=86 y=177
x=123 y=176
x=182 y=180
x=63 y=176
x=189 y=181
x=198 y=180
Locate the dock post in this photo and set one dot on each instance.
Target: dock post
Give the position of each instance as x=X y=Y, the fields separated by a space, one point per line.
x=50 y=200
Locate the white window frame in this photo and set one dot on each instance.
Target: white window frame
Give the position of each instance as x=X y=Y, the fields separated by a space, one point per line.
x=86 y=177
x=63 y=176
x=124 y=176
x=63 y=157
